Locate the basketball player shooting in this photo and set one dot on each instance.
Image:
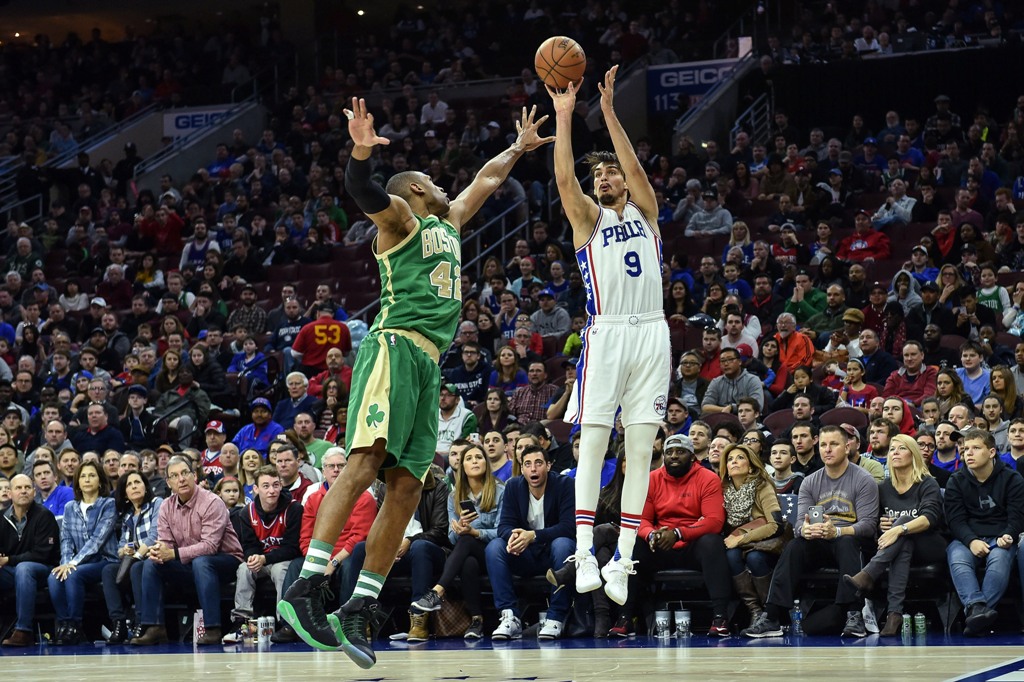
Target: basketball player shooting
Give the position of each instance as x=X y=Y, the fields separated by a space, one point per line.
x=626 y=354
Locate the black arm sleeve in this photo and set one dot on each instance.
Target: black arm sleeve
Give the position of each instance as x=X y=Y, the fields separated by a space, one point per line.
x=368 y=195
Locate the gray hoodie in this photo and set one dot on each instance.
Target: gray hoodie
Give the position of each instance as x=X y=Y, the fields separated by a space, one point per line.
x=913 y=298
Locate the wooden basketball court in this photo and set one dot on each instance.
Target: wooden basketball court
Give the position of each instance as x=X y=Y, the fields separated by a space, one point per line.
x=934 y=658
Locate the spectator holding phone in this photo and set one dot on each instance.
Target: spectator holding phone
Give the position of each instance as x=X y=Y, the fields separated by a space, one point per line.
x=837 y=511
x=473 y=522
x=985 y=510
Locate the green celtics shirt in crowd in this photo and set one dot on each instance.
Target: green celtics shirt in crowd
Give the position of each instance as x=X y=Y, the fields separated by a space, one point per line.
x=421 y=283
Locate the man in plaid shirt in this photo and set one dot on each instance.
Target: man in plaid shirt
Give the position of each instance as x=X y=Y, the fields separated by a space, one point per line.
x=529 y=403
x=248 y=314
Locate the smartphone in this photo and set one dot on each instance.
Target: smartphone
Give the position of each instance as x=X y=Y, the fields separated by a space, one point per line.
x=816 y=514
x=467 y=506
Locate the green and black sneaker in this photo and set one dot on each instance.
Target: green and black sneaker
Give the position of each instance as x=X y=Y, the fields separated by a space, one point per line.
x=303 y=609
x=355 y=624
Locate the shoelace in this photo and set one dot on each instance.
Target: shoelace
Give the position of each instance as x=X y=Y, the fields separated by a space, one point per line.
x=322 y=595
x=354 y=625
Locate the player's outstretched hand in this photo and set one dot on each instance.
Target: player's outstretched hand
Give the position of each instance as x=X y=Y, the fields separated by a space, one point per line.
x=527 y=128
x=564 y=100
x=607 y=89
x=360 y=125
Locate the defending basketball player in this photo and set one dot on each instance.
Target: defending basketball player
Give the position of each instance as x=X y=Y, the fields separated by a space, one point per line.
x=392 y=424
x=625 y=359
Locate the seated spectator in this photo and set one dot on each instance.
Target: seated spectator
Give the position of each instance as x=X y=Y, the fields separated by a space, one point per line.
x=910 y=518
x=470 y=532
x=753 y=531
x=914 y=381
x=336 y=369
x=26 y=556
x=287 y=462
x=455 y=419
x=897 y=209
x=682 y=521
x=97 y=435
x=269 y=535
x=878 y=364
x=137 y=511
x=196 y=544
x=355 y=531
x=318 y=337
x=48 y=493
x=422 y=553
x=87 y=544
x=711 y=219
x=298 y=400
x=527 y=545
x=984 y=506
x=975 y=377
x=786 y=481
x=528 y=402
x=725 y=391
x=849 y=497
x=795 y=349
x=864 y=245
x=185 y=406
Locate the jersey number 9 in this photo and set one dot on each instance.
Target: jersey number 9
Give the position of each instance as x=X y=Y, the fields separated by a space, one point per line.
x=632 y=260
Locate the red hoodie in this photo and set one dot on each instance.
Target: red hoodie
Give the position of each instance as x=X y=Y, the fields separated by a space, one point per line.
x=692 y=504
x=859 y=246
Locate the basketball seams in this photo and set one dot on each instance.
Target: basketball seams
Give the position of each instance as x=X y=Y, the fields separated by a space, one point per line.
x=558 y=61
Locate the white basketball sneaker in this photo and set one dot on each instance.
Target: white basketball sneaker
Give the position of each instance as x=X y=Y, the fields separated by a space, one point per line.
x=509 y=626
x=616 y=579
x=588 y=576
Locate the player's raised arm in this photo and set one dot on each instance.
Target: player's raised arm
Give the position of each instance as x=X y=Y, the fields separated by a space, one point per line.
x=579 y=208
x=389 y=213
x=494 y=172
x=640 y=190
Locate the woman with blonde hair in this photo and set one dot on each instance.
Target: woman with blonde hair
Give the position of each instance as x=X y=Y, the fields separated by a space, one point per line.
x=473 y=508
x=753 y=524
x=740 y=236
x=911 y=516
x=1003 y=386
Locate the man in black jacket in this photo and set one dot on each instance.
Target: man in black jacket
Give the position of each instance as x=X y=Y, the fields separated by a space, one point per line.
x=268 y=529
x=984 y=504
x=421 y=555
x=29 y=549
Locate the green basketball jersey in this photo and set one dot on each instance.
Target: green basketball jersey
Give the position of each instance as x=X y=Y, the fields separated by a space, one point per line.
x=421 y=283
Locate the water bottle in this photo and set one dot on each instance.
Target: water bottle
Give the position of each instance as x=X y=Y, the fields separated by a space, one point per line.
x=796 y=618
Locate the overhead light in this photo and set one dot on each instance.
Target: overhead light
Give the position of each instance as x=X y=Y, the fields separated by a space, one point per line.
x=360 y=12
x=17 y=35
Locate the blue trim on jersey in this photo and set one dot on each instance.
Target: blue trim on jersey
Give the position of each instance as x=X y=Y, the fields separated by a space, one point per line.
x=581 y=376
x=585 y=271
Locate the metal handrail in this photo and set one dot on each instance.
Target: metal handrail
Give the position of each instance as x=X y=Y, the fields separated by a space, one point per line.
x=737 y=26
x=113 y=130
x=8 y=212
x=759 y=116
x=709 y=96
x=181 y=143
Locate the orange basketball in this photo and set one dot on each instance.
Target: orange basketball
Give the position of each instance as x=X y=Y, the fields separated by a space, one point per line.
x=560 y=61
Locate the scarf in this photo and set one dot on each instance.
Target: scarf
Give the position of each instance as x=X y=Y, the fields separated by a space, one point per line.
x=739 y=502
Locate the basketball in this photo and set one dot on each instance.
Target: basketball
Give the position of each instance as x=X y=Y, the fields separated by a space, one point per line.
x=560 y=61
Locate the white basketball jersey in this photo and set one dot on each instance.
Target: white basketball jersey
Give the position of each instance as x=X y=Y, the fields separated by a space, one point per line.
x=621 y=265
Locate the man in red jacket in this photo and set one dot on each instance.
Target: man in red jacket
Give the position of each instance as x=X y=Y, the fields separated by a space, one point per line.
x=682 y=521
x=355 y=531
x=915 y=381
x=865 y=244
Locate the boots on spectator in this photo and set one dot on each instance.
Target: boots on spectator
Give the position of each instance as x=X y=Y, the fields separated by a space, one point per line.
x=743 y=584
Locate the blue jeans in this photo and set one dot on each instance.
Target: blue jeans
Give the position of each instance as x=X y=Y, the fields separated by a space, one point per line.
x=24 y=578
x=206 y=573
x=758 y=563
x=963 y=568
x=69 y=596
x=536 y=560
x=422 y=563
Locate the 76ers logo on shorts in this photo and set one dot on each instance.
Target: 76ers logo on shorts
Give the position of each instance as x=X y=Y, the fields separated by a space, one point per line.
x=660 y=404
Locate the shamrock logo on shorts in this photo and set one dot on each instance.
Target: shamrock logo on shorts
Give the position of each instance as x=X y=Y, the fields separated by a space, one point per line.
x=375 y=416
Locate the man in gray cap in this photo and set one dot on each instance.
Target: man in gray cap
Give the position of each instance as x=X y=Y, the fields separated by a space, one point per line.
x=713 y=219
x=682 y=522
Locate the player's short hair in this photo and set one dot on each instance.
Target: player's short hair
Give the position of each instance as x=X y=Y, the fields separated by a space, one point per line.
x=399 y=183
x=595 y=159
